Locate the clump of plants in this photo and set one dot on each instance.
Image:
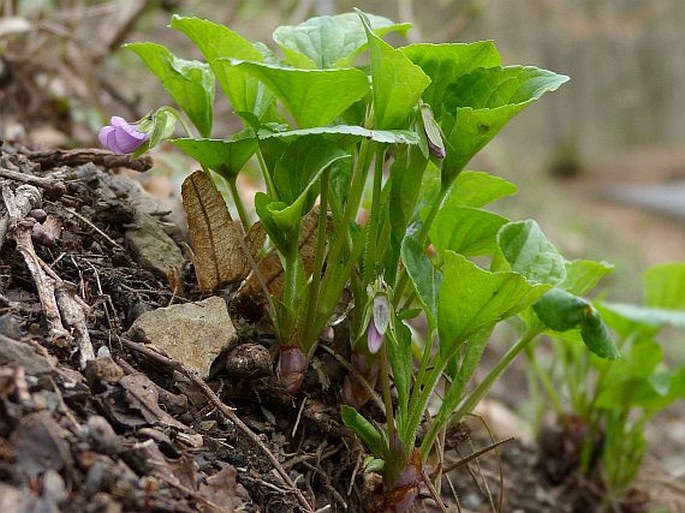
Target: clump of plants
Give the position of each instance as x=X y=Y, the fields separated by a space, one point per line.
x=362 y=148
x=601 y=406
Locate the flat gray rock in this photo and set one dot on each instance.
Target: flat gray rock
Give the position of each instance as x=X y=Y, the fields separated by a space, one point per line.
x=192 y=333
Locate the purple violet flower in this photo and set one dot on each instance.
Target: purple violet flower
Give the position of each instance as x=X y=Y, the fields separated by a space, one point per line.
x=121 y=137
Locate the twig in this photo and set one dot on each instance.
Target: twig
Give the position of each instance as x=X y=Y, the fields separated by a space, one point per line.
x=227 y=411
x=477 y=454
x=11 y=171
x=73 y=158
x=98 y=230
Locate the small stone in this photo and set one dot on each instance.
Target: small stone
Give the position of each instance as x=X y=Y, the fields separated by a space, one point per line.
x=249 y=361
x=193 y=333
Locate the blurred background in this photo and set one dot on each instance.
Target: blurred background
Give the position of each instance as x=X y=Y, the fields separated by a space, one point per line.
x=600 y=163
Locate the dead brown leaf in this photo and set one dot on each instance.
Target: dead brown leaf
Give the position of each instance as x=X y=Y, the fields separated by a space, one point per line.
x=219 y=255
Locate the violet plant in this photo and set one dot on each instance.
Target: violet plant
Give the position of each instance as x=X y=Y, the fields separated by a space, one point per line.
x=342 y=116
x=613 y=400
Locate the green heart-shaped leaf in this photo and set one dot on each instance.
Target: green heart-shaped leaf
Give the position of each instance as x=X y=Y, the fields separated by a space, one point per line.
x=189 y=83
x=314 y=97
x=330 y=41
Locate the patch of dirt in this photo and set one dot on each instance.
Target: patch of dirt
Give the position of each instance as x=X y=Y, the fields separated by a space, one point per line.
x=92 y=421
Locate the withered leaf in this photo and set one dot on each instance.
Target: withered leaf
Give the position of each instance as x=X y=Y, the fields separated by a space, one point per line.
x=219 y=255
x=270 y=266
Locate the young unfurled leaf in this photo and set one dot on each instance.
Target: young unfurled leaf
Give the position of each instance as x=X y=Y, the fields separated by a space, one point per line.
x=530 y=253
x=330 y=41
x=560 y=310
x=189 y=83
x=397 y=82
x=219 y=254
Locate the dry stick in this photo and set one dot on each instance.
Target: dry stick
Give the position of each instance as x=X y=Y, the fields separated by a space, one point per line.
x=13 y=172
x=98 y=230
x=227 y=411
x=477 y=454
x=434 y=493
x=499 y=464
x=74 y=158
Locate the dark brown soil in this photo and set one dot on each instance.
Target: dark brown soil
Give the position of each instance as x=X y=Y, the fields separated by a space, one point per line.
x=133 y=430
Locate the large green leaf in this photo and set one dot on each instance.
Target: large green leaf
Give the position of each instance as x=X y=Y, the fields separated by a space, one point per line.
x=446 y=63
x=189 y=83
x=530 y=253
x=226 y=157
x=472 y=299
x=313 y=97
x=664 y=286
x=477 y=189
x=479 y=104
x=397 y=81
x=466 y=230
x=330 y=41
x=218 y=42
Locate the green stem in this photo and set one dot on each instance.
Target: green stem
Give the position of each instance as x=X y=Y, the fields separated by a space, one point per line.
x=387 y=396
x=334 y=279
x=307 y=335
x=403 y=277
x=186 y=127
x=470 y=401
x=239 y=205
x=543 y=378
x=270 y=189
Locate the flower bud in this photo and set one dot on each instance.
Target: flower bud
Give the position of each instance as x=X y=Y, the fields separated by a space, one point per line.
x=292 y=364
x=436 y=146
